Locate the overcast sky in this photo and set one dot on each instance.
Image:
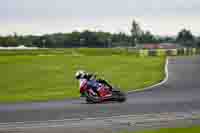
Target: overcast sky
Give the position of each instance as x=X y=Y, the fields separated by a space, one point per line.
x=164 y=17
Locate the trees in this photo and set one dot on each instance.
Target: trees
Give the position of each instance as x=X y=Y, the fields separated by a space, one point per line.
x=8 y=41
x=1 y=41
x=121 y=40
x=198 y=42
x=135 y=32
x=140 y=36
x=148 y=37
x=104 y=38
x=98 y=39
x=185 y=38
x=90 y=38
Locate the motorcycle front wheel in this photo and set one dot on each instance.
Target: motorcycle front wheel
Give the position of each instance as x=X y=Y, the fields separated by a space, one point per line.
x=91 y=98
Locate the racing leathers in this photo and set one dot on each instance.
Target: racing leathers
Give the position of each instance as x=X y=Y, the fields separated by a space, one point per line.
x=90 y=81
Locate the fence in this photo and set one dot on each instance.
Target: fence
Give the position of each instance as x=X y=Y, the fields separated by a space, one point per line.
x=168 y=52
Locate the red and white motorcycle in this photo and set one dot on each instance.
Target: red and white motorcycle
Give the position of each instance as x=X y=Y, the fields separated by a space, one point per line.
x=107 y=93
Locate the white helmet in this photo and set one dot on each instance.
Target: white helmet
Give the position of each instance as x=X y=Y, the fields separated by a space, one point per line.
x=80 y=74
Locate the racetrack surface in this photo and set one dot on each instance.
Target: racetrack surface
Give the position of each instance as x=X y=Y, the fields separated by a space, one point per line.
x=181 y=93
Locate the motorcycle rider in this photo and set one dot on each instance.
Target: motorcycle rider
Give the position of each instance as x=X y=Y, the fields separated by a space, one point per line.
x=89 y=80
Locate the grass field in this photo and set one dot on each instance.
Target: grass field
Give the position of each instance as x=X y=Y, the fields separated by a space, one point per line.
x=194 y=129
x=51 y=77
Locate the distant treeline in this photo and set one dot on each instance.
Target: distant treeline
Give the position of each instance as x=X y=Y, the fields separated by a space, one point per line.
x=96 y=39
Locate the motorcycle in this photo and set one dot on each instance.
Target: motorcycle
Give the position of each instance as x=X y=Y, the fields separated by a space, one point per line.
x=107 y=93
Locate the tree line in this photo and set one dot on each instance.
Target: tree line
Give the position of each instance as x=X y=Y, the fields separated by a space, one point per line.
x=99 y=39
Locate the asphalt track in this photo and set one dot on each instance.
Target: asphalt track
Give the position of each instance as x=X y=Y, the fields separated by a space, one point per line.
x=179 y=97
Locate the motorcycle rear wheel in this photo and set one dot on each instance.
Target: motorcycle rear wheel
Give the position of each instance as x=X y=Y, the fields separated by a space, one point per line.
x=118 y=95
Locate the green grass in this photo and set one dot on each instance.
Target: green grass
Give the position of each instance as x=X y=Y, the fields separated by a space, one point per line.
x=194 y=129
x=51 y=77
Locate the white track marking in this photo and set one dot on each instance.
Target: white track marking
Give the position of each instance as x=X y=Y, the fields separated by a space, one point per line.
x=162 y=82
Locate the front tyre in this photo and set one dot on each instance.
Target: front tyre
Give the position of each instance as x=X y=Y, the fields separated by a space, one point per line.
x=91 y=98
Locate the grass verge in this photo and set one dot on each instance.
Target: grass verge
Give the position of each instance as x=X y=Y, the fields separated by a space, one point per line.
x=51 y=77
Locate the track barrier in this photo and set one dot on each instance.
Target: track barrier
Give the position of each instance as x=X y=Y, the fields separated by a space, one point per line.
x=169 y=52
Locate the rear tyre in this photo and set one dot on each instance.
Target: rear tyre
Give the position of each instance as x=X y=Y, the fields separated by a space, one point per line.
x=118 y=95
x=121 y=97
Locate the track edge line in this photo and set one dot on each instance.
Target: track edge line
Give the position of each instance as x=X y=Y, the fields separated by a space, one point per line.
x=158 y=84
